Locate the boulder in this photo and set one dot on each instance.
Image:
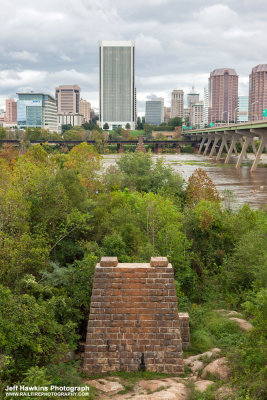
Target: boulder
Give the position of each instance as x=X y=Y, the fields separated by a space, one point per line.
x=218 y=368
x=202 y=385
x=195 y=366
x=178 y=391
x=106 y=386
x=242 y=323
x=208 y=354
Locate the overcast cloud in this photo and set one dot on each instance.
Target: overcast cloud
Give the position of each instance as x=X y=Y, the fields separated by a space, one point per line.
x=45 y=43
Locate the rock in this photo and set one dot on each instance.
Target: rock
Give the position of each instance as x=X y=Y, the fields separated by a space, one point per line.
x=202 y=386
x=196 y=365
x=218 y=368
x=242 y=323
x=154 y=385
x=106 y=386
x=224 y=393
x=227 y=313
x=208 y=354
x=177 y=391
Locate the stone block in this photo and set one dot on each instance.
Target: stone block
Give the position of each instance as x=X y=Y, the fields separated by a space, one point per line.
x=108 y=262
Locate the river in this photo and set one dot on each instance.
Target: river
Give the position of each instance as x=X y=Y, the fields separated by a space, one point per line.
x=246 y=187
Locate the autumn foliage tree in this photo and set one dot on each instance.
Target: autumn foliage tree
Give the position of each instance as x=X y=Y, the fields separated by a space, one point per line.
x=200 y=187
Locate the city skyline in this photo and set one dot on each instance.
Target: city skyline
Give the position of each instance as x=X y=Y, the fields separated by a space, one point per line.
x=59 y=46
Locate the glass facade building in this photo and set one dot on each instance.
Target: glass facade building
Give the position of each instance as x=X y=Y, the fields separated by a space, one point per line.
x=37 y=110
x=243 y=108
x=117 y=84
x=155 y=111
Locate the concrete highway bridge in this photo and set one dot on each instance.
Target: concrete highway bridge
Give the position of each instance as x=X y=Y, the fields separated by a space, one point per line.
x=226 y=137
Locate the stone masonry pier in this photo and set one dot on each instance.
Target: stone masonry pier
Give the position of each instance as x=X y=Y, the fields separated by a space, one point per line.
x=134 y=322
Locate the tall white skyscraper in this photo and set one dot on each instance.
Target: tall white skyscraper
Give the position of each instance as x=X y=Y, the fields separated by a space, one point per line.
x=206 y=106
x=117 y=84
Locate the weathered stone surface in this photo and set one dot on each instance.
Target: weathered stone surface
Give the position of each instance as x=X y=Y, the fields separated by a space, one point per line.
x=196 y=366
x=134 y=322
x=109 y=262
x=159 y=262
x=154 y=384
x=218 y=368
x=242 y=323
x=106 y=386
x=203 y=385
x=208 y=354
x=178 y=391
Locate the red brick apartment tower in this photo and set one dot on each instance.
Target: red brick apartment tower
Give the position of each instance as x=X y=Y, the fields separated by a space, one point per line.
x=257 y=93
x=223 y=95
x=134 y=322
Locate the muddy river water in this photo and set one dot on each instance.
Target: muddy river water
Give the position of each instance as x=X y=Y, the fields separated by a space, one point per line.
x=245 y=187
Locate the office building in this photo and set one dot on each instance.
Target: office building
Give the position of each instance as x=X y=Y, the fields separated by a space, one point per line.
x=186 y=116
x=85 y=108
x=206 y=107
x=223 y=95
x=70 y=119
x=167 y=114
x=177 y=103
x=242 y=111
x=117 y=96
x=10 y=118
x=192 y=98
x=155 y=111
x=197 y=115
x=258 y=93
x=37 y=110
x=68 y=99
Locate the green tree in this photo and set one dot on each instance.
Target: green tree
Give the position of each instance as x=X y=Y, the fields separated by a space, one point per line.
x=176 y=121
x=106 y=126
x=128 y=126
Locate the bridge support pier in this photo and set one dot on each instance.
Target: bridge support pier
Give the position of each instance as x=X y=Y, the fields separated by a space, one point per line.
x=258 y=155
x=201 y=145
x=207 y=146
x=230 y=151
x=177 y=149
x=213 y=149
x=223 y=144
x=243 y=151
x=119 y=148
x=157 y=148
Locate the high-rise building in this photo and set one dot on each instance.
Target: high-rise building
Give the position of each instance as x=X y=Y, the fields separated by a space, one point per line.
x=177 y=103
x=223 y=95
x=197 y=115
x=258 y=93
x=68 y=99
x=37 y=110
x=85 y=108
x=167 y=114
x=11 y=112
x=70 y=119
x=155 y=111
x=242 y=111
x=206 y=107
x=186 y=114
x=117 y=96
x=192 y=98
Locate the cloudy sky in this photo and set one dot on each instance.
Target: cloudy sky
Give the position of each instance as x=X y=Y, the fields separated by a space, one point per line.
x=44 y=43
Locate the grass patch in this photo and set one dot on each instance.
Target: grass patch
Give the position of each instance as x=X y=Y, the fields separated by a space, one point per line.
x=210 y=329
